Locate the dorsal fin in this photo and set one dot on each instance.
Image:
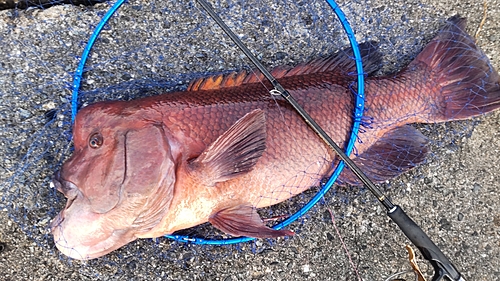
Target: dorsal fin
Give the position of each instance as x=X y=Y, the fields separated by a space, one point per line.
x=341 y=63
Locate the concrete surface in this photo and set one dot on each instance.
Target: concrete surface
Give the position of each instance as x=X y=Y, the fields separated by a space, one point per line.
x=453 y=197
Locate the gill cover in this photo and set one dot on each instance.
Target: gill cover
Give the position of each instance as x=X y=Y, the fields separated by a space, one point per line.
x=132 y=165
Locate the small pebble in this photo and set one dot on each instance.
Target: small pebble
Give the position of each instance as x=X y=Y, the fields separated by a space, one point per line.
x=476 y=187
x=24 y=113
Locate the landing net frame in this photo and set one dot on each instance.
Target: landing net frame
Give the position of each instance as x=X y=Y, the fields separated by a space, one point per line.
x=357 y=118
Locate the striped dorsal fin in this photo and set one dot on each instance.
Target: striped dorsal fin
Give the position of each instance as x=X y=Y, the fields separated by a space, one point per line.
x=341 y=63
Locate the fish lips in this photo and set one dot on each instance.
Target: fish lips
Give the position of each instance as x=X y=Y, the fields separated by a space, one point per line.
x=90 y=249
x=67 y=188
x=74 y=231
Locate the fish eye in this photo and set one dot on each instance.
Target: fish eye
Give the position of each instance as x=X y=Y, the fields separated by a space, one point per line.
x=95 y=140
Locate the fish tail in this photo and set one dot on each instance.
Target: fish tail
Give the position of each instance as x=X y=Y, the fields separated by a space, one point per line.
x=461 y=76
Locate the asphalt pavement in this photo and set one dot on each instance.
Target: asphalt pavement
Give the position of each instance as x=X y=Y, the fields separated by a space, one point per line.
x=155 y=46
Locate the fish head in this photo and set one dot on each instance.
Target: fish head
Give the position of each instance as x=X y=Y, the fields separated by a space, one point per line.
x=118 y=182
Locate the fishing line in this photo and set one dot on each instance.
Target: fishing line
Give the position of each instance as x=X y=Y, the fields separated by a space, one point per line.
x=354 y=267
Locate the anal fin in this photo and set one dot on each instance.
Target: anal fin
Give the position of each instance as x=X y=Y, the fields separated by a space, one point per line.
x=243 y=220
x=397 y=151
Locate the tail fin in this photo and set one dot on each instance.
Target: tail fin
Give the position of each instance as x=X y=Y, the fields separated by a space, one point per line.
x=461 y=73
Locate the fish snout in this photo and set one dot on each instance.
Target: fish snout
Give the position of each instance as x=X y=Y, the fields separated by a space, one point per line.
x=67 y=188
x=57 y=221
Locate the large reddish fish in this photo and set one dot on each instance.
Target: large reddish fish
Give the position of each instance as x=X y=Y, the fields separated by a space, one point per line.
x=225 y=147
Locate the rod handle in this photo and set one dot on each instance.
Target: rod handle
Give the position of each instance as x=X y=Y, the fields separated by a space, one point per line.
x=442 y=266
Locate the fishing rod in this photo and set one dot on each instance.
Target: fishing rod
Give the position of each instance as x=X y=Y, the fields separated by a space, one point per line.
x=441 y=264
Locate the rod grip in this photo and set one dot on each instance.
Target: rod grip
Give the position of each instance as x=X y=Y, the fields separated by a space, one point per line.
x=442 y=266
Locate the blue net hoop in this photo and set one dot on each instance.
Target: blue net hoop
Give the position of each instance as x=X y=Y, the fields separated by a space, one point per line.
x=358 y=114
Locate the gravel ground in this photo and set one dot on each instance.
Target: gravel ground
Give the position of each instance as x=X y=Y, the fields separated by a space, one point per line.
x=22 y=4
x=453 y=196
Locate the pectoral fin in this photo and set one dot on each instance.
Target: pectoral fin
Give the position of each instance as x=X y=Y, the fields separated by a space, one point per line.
x=243 y=220
x=235 y=152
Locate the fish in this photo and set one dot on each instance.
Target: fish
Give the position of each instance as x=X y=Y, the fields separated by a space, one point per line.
x=226 y=147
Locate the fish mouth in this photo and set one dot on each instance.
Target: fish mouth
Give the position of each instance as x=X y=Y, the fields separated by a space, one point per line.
x=80 y=233
x=91 y=249
x=67 y=188
x=73 y=240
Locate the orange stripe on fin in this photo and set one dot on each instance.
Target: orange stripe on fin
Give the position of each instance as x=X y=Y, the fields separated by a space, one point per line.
x=219 y=81
x=195 y=84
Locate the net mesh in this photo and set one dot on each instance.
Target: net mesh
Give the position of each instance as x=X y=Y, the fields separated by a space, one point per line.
x=149 y=48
